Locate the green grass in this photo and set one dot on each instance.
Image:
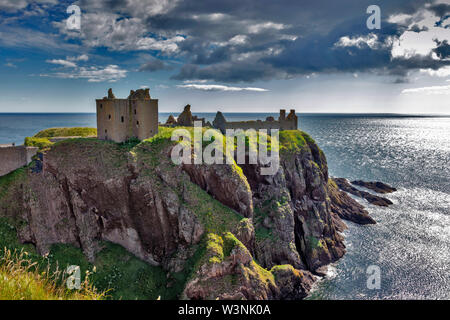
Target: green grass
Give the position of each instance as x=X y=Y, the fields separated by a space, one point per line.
x=21 y=280
x=66 y=132
x=314 y=242
x=117 y=272
x=41 y=143
x=12 y=178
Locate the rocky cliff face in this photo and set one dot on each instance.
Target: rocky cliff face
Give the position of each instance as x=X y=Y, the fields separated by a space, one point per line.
x=254 y=236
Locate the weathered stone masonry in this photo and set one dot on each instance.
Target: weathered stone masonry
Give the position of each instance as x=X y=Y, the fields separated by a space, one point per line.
x=121 y=119
x=283 y=123
x=14 y=157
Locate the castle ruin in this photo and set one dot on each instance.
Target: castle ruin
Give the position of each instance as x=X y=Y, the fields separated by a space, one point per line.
x=187 y=119
x=122 y=119
x=15 y=157
x=283 y=123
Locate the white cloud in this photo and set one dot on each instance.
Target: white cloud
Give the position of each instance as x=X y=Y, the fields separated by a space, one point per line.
x=164 y=45
x=10 y=65
x=421 y=43
x=429 y=90
x=371 y=40
x=442 y=72
x=215 y=87
x=117 y=33
x=110 y=73
x=62 y=62
x=259 y=27
x=239 y=39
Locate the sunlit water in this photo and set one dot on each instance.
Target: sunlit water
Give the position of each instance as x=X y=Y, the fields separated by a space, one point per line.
x=411 y=240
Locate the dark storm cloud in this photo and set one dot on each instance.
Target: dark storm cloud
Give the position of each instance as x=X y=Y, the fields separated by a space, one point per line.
x=249 y=40
x=443 y=49
x=441 y=9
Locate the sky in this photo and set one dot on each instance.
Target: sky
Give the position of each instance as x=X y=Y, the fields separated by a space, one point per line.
x=232 y=56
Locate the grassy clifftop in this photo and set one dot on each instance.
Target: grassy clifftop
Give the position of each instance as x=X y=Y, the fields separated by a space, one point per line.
x=116 y=268
x=42 y=141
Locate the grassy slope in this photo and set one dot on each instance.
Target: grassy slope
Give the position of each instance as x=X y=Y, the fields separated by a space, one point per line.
x=129 y=277
x=41 y=139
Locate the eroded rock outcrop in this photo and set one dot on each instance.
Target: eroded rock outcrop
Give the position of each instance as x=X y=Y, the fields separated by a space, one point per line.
x=344 y=185
x=376 y=186
x=225 y=217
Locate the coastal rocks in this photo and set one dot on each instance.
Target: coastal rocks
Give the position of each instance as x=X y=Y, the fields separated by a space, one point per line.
x=293 y=284
x=316 y=234
x=273 y=219
x=378 y=187
x=344 y=185
x=229 y=272
x=185 y=119
x=171 y=121
x=347 y=208
x=225 y=184
x=219 y=122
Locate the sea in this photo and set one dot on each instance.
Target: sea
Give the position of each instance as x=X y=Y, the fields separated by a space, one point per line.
x=409 y=247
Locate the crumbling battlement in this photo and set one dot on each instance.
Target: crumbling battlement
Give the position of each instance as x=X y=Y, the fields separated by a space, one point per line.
x=122 y=119
x=283 y=122
x=186 y=119
x=14 y=157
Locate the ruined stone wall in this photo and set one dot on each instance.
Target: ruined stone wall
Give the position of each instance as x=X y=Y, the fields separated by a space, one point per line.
x=113 y=119
x=283 y=123
x=121 y=119
x=257 y=125
x=12 y=158
x=144 y=118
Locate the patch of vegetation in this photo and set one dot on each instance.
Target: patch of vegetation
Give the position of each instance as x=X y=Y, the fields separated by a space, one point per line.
x=214 y=216
x=115 y=270
x=214 y=247
x=280 y=269
x=292 y=141
x=262 y=233
x=315 y=243
x=7 y=181
x=66 y=132
x=41 y=143
x=21 y=280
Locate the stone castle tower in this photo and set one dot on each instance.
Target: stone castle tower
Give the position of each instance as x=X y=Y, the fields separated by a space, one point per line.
x=121 y=119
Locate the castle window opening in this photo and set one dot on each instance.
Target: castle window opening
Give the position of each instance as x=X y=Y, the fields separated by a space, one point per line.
x=101 y=106
x=122 y=119
x=109 y=117
x=134 y=111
